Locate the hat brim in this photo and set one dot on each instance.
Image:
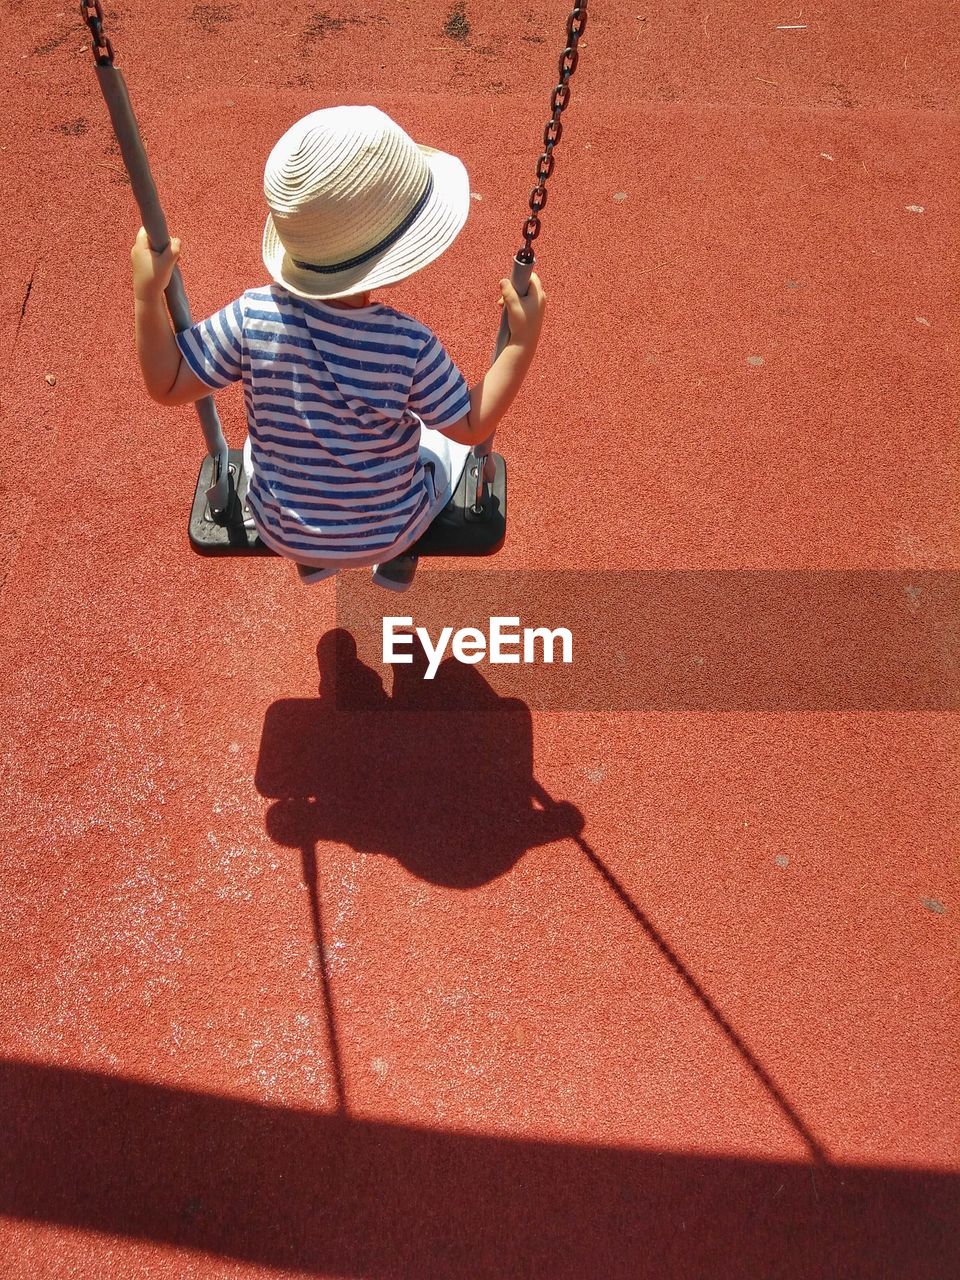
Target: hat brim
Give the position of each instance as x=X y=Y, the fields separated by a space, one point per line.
x=436 y=228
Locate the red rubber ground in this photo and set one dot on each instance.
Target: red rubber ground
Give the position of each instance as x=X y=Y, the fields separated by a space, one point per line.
x=716 y=1034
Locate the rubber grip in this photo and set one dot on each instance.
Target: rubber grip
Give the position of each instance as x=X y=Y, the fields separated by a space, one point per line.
x=520 y=279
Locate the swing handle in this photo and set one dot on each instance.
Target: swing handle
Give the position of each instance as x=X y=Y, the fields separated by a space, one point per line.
x=520 y=279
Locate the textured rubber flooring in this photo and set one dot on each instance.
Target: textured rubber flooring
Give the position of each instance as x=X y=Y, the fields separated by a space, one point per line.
x=381 y=989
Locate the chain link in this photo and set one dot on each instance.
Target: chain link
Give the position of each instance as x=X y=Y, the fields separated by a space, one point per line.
x=559 y=99
x=92 y=14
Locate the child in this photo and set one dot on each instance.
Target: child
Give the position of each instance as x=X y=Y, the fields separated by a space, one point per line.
x=359 y=422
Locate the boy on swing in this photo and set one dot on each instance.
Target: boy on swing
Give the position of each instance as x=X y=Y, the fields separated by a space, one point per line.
x=359 y=421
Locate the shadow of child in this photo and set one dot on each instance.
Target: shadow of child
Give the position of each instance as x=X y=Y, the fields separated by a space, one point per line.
x=438 y=776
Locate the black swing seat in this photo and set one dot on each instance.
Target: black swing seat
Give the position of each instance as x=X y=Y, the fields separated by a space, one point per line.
x=457 y=531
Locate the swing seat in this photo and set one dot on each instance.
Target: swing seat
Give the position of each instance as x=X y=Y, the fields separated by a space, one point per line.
x=456 y=531
x=459 y=530
x=230 y=536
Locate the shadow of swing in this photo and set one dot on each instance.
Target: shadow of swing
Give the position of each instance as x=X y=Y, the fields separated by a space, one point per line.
x=330 y=1193
x=451 y=796
x=438 y=776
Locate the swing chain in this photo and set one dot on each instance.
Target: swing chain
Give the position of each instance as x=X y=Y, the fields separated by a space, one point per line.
x=92 y=14
x=576 y=25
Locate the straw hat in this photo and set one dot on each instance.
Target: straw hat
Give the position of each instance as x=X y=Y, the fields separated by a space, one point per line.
x=356 y=204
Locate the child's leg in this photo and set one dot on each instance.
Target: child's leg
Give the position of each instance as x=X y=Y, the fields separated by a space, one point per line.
x=398 y=574
x=309 y=574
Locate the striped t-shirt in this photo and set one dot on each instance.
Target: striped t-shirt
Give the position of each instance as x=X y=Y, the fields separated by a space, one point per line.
x=334 y=402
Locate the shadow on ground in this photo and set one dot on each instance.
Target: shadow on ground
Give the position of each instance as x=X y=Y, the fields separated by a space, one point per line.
x=330 y=1195
x=452 y=797
x=438 y=776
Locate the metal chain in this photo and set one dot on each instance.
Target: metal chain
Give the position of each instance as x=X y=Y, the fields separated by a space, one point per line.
x=576 y=25
x=92 y=15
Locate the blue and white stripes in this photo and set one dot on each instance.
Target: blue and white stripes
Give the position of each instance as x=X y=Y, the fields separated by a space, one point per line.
x=333 y=398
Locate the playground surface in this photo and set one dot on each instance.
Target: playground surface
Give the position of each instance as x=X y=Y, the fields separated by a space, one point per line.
x=355 y=986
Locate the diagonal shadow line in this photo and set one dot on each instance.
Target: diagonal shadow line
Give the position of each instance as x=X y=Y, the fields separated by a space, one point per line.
x=310 y=879
x=309 y=855
x=817 y=1151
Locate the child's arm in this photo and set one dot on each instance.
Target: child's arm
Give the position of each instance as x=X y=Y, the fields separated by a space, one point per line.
x=168 y=378
x=493 y=395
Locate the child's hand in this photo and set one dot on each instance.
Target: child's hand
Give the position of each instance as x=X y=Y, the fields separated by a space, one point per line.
x=524 y=314
x=152 y=271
